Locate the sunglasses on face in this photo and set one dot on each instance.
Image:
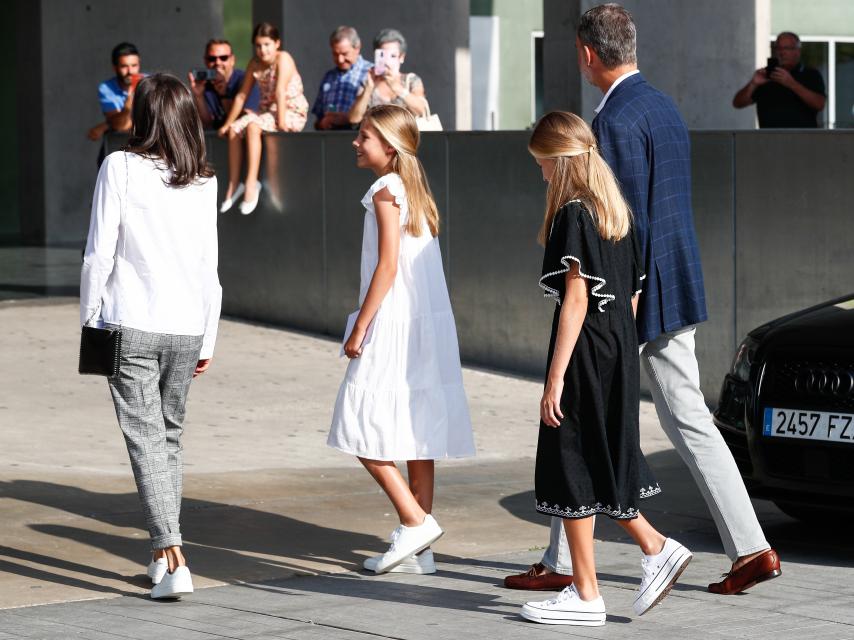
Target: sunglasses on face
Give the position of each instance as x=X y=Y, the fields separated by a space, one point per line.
x=220 y=58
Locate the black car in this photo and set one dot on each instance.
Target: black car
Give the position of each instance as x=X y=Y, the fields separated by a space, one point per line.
x=786 y=411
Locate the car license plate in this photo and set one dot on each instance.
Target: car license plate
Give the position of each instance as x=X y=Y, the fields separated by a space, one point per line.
x=808 y=425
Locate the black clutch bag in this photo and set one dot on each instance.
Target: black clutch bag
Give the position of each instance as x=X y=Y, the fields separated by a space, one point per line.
x=100 y=351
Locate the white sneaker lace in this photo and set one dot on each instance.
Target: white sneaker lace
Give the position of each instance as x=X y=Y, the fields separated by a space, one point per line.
x=650 y=569
x=568 y=593
x=394 y=537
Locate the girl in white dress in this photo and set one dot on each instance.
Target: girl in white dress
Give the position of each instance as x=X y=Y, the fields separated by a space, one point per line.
x=402 y=397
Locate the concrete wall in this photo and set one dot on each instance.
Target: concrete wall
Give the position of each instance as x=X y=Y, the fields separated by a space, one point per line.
x=436 y=34
x=562 y=79
x=770 y=213
x=699 y=53
x=66 y=46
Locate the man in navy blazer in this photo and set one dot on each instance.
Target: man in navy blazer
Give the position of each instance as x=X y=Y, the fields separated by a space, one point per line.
x=645 y=141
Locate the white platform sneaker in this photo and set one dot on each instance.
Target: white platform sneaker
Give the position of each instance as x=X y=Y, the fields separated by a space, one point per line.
x=173 y=585
x=567 y=608
x=157 y=569
x=660 y=573
x=408 y=541
x=421 y=564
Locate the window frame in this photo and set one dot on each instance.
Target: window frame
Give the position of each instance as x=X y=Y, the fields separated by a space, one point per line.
x=831 y=42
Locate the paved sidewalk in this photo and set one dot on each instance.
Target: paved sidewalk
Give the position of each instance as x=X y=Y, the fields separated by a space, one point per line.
x=276 y=524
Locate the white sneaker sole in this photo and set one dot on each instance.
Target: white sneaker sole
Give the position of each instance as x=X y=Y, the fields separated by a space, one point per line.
x=667 y=576
x=574 y=618
x=407 y=566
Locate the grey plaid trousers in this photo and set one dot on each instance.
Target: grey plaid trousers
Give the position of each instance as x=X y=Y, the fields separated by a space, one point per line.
x=149 y=394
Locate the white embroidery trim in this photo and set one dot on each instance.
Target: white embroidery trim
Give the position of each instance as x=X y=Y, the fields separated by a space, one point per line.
x=584 y=511
x=642 y=278
x=550 y=292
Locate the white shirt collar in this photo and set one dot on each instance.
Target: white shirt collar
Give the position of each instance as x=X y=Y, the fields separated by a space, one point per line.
x=612 y=87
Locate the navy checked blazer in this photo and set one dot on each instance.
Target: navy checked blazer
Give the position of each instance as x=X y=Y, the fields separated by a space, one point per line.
x=645 y=142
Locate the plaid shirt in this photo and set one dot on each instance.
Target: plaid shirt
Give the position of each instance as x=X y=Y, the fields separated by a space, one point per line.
x=338 y=89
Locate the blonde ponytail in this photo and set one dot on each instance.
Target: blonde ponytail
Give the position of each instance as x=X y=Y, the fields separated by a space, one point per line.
x=580 y=174
x=398 y=128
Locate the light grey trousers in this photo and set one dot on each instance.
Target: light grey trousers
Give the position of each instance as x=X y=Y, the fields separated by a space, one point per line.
x=674 y=375
x=149 y=394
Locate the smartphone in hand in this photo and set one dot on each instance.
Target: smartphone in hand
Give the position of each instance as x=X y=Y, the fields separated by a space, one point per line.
x=203 y=75
x=773 y=63
x=380 y=64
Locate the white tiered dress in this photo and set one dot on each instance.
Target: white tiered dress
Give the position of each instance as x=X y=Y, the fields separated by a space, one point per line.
x=403 y=398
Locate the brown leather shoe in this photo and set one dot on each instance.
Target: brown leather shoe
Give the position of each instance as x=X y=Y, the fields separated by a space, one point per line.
x=538 y=578
x=763 y=567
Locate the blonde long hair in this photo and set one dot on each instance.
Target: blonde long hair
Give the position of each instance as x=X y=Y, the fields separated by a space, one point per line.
x=398 y=128
x=580 y=174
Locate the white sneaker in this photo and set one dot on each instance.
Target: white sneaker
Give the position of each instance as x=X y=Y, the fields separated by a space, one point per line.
x=660 y=573
x=157 y=569
x=567 y=608
x=174 y=585
x=407 y=541
x=420 y=564
x=248 y=206
x=228 y=203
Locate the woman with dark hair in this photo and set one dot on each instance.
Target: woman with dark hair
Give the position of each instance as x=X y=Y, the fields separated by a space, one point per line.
x=283 y=108
x=150 y=267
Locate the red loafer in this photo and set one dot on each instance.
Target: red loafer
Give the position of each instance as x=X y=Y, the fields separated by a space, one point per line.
x=538 y=578
x=763 y=567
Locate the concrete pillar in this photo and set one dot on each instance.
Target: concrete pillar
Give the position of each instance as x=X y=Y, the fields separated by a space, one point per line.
x=561 y=77
x=63 y=53
x=437 y=34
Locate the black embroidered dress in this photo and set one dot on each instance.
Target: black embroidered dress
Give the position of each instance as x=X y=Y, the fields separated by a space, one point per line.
x=592 y=463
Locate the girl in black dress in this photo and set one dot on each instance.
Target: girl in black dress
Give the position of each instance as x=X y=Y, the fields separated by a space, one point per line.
x=588 y=456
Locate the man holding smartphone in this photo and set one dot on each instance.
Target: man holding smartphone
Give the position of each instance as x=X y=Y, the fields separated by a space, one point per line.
x=215 y=86
x=116 y=94
x=787 y=93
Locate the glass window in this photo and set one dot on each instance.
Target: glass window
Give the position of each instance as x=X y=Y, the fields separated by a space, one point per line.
x=844 y=97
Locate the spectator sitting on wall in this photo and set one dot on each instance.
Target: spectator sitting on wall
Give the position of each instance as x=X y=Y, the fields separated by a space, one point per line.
x=787 y=93
x=214 y=96
x=386 y=84
x=341 y=85
x=116 y=94
x=283 y=108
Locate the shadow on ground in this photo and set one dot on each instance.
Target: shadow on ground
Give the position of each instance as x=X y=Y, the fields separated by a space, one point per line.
x=681 y=511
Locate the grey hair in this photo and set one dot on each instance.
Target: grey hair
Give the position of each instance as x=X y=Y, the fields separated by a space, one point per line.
x=345 y=33
x=610 y=31
x=789 y=34
x=390 y=35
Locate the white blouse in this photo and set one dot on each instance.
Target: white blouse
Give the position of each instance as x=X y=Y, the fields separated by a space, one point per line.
x=151 y=256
